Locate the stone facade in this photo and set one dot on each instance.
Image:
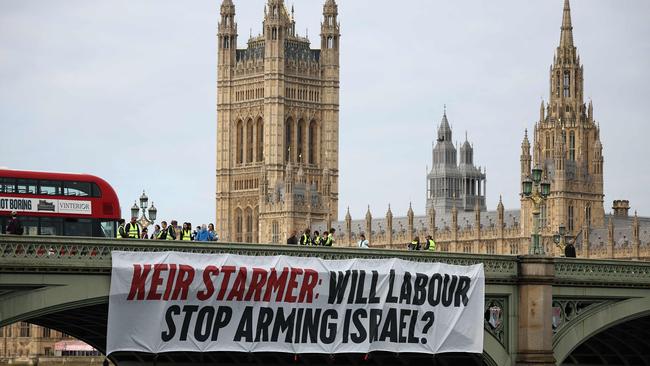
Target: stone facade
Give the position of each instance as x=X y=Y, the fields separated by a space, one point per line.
x=277 y=127
x=27 y=344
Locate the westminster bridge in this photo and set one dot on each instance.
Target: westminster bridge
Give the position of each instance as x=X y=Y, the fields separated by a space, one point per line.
x=538 y=310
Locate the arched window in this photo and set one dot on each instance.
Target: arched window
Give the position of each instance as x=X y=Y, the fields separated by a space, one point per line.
x=588 y=216
x=557 y=84
x=249 y=225
x=570 y=219
x=567 y=83
x=260 y=139
x=547 y=150
x=240 y=142
x=288 y=133
x=313 y=142
x=239 y=225
x=275 y=232
x=301 y=140
x=572 y=146
x=249 y=141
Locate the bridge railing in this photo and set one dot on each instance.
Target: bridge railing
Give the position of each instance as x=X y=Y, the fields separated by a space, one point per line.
x=60 y=254
x=46 y=253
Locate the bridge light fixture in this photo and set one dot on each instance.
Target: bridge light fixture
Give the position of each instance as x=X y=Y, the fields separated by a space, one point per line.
x=537 y=175
x=135 y=210
x=153 y=211
x=546 y=188
x=144 y=201
x=527 y=187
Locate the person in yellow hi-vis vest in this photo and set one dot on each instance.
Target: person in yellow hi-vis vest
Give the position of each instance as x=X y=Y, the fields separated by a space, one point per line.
x=431 y=244
x=133 y=229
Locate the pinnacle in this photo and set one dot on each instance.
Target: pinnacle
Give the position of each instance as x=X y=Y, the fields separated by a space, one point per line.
x=566 y=37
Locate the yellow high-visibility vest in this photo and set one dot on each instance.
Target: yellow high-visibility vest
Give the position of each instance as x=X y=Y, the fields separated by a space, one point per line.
x=187 y=234
x=133 y=231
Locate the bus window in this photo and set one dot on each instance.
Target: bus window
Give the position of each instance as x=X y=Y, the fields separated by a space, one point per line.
x=30 y=225
x=97 y=192
x=49 y=187
x=7 y=185
x=107 y=230
x=26 y=186
x=77 y=189
x=77 y=227
x=51 y=226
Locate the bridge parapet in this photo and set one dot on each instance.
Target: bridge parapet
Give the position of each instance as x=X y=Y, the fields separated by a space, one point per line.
x=601 y=273
x=62 y=254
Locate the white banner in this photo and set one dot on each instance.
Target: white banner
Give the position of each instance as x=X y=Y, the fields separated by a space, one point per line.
x=172 y=302
x=45 y=205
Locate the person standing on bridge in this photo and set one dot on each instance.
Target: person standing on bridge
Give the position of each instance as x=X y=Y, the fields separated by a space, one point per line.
x=430 y=244
x=186 y=233
x=330 y=238
x=156 y=232
x=316 y=240
x=570 y=250
x=415 y=244
x=293 y=240
x=305 y=239
x=215 y=237
x=172 y=229
x=133 y=229
x=363 y=242
x=121 y=232
x=14 y=226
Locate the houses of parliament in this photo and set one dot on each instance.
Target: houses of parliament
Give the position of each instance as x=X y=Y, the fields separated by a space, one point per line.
x=277 y=155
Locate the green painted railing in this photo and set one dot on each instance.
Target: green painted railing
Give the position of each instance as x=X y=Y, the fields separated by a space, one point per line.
x=61 y=254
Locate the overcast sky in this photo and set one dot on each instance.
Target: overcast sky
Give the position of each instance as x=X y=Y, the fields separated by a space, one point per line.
x=126 y=90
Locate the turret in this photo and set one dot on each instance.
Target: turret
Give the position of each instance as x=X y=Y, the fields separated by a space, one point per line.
x=410 y=216
x=466 y=152
x=227 y=34
x=330 y=31
x=525 y=158
x=276 y=26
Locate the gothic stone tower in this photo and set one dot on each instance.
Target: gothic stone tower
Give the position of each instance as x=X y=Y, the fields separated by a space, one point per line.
x=450 y=185
x=277 y=127
x=566 y=146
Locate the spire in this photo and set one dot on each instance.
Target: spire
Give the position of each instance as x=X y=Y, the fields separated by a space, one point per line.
x=348 y=217
x=525 y=144
x=444 y=131
x=566 y=37
x=368 y=214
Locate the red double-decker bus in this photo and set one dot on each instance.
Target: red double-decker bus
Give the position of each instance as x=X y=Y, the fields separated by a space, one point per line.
x=59 y=204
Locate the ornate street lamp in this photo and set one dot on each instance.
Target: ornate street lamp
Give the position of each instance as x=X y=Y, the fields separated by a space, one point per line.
x=561 y=239
x=536 y=190
x=148 y=216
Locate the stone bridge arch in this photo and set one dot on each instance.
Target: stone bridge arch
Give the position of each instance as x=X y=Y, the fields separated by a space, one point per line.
x=75 y=304
x=616 y=314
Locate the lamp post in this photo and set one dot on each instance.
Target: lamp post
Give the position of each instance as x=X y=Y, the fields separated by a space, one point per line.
x=562 y=239
x=536 y=190
x=144 y=221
